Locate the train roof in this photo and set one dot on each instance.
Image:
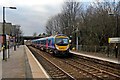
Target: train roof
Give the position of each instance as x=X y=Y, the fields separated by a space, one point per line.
x=43 y=38
x=49 y=37
x=61 y=35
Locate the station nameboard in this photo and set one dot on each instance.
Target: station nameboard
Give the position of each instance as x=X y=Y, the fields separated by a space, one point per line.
x=114 y=40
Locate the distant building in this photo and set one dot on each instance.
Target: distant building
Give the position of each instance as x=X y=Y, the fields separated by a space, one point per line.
x=1 y=32
x=15 y=30
x=1 y=41
x=8 y=28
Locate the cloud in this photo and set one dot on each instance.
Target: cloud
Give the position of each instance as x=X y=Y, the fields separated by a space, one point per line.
x=32 y=15
x=30 y=2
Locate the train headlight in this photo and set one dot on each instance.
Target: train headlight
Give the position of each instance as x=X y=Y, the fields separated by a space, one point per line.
x=57 y=47
x=70 y=41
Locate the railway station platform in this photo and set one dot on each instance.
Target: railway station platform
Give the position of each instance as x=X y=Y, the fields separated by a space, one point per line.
x=98 y=56
x=22 y=65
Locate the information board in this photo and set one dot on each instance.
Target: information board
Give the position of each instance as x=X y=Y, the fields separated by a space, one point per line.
x=114 y=40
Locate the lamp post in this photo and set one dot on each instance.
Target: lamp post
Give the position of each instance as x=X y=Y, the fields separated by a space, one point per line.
x=116 y=34
x=77 y=37
x=4 y=36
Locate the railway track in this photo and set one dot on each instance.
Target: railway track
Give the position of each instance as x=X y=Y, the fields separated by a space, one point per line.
x=97 y=61
x=102 y=66
x=94 y=71
x=73 y=68
x=52 y=69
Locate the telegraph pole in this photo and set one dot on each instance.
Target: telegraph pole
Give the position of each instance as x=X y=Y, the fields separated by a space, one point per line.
x=77 y=38
x=116 y=55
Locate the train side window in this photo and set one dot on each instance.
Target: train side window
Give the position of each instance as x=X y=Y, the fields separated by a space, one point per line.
x=42 y=42
x=38 y=41
x=49 y=42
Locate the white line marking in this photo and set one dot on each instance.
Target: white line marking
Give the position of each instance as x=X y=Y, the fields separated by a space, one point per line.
x=105 y=59
x=39 y=64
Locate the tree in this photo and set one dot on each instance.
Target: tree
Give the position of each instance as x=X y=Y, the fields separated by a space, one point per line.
x=34 y=34
x=71 y=11
x=94 y=23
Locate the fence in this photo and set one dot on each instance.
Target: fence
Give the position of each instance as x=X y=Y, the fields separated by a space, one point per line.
x=98 y=49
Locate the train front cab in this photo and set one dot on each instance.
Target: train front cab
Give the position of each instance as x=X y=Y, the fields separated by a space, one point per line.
x=61 y=46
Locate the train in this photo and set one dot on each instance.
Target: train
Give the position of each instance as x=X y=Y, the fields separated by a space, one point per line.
x=57 y=45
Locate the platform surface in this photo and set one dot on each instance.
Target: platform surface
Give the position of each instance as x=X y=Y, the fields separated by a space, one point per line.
x=22 y=64
x=98 y=56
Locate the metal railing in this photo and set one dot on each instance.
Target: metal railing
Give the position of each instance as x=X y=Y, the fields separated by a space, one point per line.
x=108 y=50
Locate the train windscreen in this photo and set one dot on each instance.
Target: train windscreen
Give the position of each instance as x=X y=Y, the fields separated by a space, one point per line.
x=61 y=41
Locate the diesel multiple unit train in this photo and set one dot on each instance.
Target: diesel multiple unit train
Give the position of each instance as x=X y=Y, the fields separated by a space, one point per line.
x=57 y=45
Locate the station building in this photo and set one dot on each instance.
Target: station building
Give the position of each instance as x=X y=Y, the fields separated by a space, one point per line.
x=10 y=31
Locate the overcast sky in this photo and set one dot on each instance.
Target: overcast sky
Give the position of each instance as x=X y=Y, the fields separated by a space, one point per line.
x=31 y=15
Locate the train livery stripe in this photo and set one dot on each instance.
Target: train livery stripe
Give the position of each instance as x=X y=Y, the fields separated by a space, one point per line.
x=61 y=37
x=62 y=48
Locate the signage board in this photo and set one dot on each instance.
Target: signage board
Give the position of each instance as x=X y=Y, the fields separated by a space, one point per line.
x=114 y=40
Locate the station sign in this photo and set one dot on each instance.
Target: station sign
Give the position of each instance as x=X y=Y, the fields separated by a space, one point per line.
x=114 y=40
